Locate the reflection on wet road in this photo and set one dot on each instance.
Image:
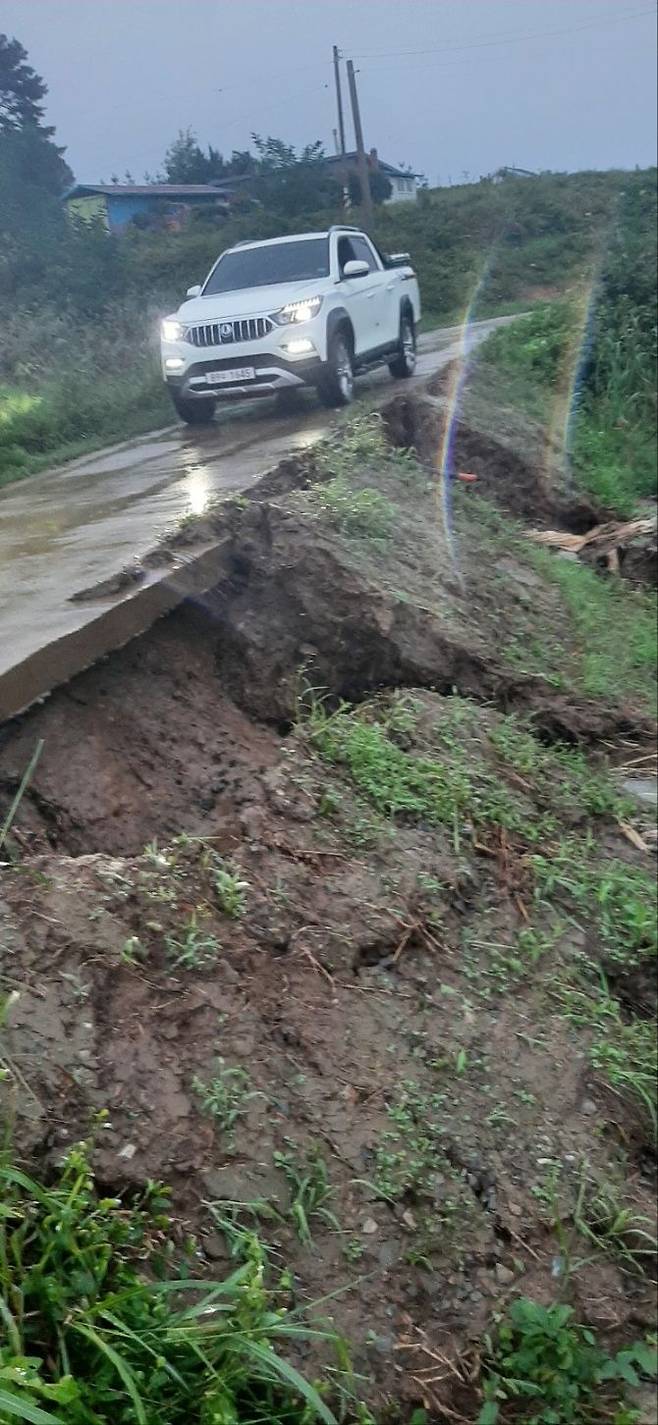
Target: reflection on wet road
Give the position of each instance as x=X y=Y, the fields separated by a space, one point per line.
x=72 y=528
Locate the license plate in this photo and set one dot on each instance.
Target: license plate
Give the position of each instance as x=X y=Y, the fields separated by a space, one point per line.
x=237 y=373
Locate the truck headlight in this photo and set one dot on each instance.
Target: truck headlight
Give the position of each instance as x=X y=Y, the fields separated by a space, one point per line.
x=171 y=330
x=303 y=311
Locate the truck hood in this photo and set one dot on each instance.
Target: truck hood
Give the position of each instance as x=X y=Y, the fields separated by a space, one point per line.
x=248 y=302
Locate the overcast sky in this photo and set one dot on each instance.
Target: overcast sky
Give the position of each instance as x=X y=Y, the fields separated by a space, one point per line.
x=450 y=86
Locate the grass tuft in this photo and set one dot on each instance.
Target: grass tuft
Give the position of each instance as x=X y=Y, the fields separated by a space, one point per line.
x=90 y=1337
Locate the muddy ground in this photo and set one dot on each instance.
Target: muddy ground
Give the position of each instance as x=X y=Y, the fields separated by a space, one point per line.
x=286 y=942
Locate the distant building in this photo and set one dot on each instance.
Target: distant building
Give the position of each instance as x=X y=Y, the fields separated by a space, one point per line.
x=404 y=185
x=118 y=204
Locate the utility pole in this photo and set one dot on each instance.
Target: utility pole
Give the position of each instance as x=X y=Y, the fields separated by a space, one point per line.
x=362 y=163
x=339 y=99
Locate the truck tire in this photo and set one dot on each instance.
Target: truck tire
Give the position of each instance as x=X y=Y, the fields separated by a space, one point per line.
x=336 y=387
x=194 y=413
x=404 y=363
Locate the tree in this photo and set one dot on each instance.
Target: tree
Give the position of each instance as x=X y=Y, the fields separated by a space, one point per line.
x=294 y=183
x=21 y=90
x=186 y=162
x=32 y=176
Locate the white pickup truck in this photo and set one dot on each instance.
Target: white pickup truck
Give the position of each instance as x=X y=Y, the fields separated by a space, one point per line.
x=309 y=310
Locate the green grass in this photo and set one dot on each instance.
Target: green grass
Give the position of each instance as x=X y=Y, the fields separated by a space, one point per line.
x=617 y=901
x=310 y=1190
x=459 y=770
x=230 y=889
x=575 y=784
x=403 y=784
x=191 y=947
x=407 y=1155
x=90 y=1334
x=71 y=416
x=365 y=514
x=622 y=1050
x=598 y=374
x=601 y=642
x=226 y=1097
x=615 y=627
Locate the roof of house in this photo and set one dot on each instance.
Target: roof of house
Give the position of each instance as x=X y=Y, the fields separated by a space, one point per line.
x=509 y=172
x=145 y=190
x=390 y=169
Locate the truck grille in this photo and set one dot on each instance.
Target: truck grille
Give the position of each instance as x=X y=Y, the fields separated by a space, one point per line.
x=223 y=333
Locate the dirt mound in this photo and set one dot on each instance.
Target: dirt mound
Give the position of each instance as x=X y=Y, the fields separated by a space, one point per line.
x=296 y=599
x=153 y=740
x=143 y=745
x=526 y=488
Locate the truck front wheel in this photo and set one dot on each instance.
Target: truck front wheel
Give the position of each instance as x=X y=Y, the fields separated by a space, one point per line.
x=404 y=363
x=336 y=386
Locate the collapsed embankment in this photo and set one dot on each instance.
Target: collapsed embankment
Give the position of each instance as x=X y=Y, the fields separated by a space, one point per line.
x=391 y=918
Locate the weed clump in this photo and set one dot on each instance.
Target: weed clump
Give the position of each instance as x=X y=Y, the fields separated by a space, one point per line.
x=89 y=1337
x=542 y=1363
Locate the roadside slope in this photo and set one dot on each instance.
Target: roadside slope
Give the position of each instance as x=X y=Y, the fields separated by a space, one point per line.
x=379 y=986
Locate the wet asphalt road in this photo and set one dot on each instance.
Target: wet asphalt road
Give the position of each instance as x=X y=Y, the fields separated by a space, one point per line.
x=71 y=528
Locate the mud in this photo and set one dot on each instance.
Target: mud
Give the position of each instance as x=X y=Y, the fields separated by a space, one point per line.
x=148 y=742
x=371 y=979
x=354 y=982
x=531 y=489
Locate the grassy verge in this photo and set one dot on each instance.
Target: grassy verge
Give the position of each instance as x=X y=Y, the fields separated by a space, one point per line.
x=602 y=641
x=598 y=404
x=70 y=387
x=74 y=413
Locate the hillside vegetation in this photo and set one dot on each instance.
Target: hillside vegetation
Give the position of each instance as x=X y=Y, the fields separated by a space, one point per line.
x=80 y=309
x=586 y=365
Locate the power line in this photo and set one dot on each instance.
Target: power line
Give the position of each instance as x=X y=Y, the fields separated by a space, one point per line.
x=509 y=38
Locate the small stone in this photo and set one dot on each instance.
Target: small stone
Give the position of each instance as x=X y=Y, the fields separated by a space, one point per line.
x=589 y=1107
x=515 y=1209
x=369 y=1226
x=128 y=1151
x=388 y=1254
x=409 y=1220
x=643 y=789
x=504 y=1275
x=214 y=1246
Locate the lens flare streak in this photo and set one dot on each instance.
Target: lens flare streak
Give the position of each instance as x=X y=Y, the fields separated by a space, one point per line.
x=559 y=437
x=445 y=462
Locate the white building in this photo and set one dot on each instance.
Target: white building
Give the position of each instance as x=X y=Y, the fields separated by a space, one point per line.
x=404 y=184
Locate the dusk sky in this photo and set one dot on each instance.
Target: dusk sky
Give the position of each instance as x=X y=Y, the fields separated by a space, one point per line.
x=452 y=87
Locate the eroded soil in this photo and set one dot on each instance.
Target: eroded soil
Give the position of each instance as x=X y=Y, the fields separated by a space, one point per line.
x=392 y=964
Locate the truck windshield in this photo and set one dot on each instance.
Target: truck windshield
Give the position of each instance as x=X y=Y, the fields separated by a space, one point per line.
x=261 y=266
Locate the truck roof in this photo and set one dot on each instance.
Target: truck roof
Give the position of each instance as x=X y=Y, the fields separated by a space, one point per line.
x=294 y=237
